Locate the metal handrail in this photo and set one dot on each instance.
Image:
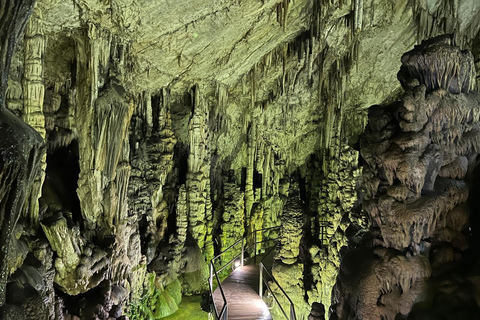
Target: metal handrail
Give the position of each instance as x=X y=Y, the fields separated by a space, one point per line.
x=260 y=292
x=223 y=315
x=231 y=246
x=223 y=312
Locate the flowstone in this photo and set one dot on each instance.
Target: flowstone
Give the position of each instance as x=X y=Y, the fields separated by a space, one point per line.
x=419 y=154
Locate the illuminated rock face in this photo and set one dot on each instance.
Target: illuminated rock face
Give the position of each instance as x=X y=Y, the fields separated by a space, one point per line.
x=174 y=128
x=420 y=153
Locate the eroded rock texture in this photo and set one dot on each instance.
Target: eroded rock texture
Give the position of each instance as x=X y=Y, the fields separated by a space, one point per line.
x=419 y=154
x=21 y=150
x=174 y=128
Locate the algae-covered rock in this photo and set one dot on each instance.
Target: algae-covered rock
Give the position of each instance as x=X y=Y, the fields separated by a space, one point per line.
x=196 y=272
x=157 y=302
x=291 y=232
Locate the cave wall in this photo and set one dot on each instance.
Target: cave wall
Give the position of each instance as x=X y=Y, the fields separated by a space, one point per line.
x=193 y=121
x=420 y=154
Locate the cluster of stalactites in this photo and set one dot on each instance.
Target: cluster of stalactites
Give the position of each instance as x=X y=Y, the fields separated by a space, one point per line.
x=438 y=64
x=423 y=144
x=441 y=17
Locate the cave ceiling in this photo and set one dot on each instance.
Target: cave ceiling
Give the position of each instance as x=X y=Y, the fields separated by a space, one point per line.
x=171 y=128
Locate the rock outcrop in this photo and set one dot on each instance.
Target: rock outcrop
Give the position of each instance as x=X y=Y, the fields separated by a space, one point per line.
x=420 y=153
x=21 y=151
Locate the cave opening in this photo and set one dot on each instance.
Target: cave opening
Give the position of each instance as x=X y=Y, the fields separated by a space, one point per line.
x=61 y=180
x=180 y=158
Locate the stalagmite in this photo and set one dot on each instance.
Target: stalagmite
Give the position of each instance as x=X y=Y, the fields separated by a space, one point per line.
x=291 y=233
x=198 y=176
x=337 y=199
x=233 y=226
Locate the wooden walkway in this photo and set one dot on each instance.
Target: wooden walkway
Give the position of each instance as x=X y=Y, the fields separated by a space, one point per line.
x=241 y=292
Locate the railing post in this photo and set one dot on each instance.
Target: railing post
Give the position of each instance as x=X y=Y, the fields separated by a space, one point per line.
x=255 y=247
x=211 y=276
x=225 y=315
x=242 y=258
x=260 y=285
x=292 y=312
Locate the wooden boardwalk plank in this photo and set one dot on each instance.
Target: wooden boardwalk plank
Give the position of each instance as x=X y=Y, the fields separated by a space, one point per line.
x=241 y=292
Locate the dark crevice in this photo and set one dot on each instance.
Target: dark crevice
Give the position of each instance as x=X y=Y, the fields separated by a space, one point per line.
x=180 y=156
x=156 y=104
x=257 y=180
x=61 y=181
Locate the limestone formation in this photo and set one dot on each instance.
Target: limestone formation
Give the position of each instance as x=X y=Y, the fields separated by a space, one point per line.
x=172 y=129
x=33 y=94
x=152 y=162
x=438 y=65
x=418 y=153
x=437 y=133
x=233 y=222
x=291 y=232
x=198 y=186
x=78 y=267
x=338 y=200
x=21 y=148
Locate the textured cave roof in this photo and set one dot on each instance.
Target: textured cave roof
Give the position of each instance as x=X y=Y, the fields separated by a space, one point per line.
x=184 y=42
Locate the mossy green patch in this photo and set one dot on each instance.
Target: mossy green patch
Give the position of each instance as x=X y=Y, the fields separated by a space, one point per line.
x=189 y=309
x=157 y=303
x=174 y=289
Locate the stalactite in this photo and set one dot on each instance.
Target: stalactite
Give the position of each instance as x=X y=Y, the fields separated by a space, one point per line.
x=113 y=117
x=249 y=196
x=222 y=94
x=88 y=58
x=358 y=15
x=253 y=86
x=284 y=66
x=443 y=19
x=286 y=4
x=34 y=92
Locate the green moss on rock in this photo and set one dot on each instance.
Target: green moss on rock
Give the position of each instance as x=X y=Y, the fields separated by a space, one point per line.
x=158 y=302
